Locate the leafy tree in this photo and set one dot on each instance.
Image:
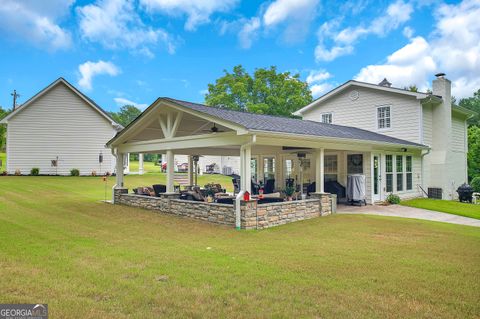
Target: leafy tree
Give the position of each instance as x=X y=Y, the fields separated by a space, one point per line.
x=411 y=88
x=473 y=104
x=266 y=92
x=473 y=156
x=126 y=114
x=3 y=129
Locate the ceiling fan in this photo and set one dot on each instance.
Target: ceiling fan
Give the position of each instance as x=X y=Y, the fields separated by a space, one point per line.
x=214 y=129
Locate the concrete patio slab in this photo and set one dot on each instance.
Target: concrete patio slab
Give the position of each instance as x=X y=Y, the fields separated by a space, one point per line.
x=408 y=212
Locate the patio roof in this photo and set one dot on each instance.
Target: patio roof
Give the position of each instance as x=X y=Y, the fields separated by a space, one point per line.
x=277 y=124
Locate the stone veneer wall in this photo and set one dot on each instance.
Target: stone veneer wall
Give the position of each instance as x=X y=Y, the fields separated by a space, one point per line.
x=169 y=204
x=259 y=216
x=253 y=215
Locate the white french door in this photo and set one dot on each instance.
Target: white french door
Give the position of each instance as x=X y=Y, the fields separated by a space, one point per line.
x=377 y=177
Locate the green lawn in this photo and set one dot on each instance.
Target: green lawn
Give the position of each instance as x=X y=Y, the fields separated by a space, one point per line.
x=148 y=167
x=3 y=159
x=60 y=245
x=446 y=206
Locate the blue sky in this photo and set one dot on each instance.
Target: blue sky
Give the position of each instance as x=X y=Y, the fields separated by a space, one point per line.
x=120 y=52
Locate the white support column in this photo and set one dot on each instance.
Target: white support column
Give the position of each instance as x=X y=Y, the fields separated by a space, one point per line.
x=190 y=170
x=245 y=168
x=319 y=170
x=248 y=168
x=140 y=163
x=170 y=175
x=119 y=170
x=242 y=168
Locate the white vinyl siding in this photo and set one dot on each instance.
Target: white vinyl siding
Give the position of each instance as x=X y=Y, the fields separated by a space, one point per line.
x=62 y=124
x=362 y=112
x=458 y=134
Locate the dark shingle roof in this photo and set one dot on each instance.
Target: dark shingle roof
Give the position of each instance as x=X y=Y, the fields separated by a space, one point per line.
x=270 y=123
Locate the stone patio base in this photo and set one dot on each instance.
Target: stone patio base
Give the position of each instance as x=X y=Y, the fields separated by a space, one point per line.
x=252 y=214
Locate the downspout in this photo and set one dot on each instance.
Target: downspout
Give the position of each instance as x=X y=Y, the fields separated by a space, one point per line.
x=240 y=194
x=423 y=170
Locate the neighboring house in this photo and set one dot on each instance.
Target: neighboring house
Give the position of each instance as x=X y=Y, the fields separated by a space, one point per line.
x=427 y=119
x=57 y=130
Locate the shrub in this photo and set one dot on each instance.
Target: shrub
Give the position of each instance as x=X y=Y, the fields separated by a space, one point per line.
x=476 y=184
x=18 y=172
x=94 y=173
x=393 y=199
x=74 y=172
x=35 y=171
x=4 y=173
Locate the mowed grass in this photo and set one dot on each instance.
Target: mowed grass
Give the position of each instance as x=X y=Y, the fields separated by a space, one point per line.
x=60 y=245
x=148 y=167
x=446 y=206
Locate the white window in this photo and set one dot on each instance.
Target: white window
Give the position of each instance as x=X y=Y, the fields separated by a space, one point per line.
x=330 y=168
x=409 y=173
x=383 y=117
x=327 y=118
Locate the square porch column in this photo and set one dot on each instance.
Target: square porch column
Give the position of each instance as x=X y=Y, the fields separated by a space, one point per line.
x=140 y=163
x=245 y=168
x=319 y=170
x=170 y=171
x=119 y=170
x=190 y=170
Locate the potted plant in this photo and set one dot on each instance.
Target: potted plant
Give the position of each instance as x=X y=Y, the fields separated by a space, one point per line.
x=289 y=191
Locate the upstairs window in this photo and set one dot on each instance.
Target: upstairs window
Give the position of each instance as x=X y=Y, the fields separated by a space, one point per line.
x=327 y=118
x=383 y=117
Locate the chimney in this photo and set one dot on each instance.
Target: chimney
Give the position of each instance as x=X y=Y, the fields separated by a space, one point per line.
x=441 y=129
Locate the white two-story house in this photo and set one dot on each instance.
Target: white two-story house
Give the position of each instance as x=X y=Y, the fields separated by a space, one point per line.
x=423 y=118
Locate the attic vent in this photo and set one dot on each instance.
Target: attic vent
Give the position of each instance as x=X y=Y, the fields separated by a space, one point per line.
x=385 y=83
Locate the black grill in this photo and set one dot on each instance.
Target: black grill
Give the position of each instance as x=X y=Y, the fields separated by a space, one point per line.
x=435 y=193
x=465 y=192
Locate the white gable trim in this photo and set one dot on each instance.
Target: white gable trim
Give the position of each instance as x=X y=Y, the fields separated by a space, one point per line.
x=350 y=83
x=46 y=90
x=148 y=115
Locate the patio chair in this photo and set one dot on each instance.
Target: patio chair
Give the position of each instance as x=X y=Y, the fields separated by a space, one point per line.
x=236 y=185
x=269 y=186
x=159 y=188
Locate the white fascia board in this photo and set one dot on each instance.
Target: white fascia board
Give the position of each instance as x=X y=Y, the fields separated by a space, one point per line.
x=314 y=141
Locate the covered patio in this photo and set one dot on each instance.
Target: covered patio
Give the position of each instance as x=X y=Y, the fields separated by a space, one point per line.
x=278 y=156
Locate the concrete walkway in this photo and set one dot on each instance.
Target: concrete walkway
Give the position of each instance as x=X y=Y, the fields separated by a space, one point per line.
x=408 y=212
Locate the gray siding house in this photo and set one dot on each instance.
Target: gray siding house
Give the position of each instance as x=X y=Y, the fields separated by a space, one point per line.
x=57 y=130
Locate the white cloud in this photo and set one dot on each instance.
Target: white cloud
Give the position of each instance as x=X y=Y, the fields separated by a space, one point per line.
x=344 y=40
x=320 y=89
x=318 y=75
x=454 y=48
x=249 y=32
x=122 y=101
x=408 y=32
x=37 y=22
x=297 y=14
x=89 y=70
x=115 y=24
x=197 y=11
x=316 y=79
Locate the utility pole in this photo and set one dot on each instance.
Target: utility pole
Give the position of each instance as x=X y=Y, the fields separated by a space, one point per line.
x=15 y=96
